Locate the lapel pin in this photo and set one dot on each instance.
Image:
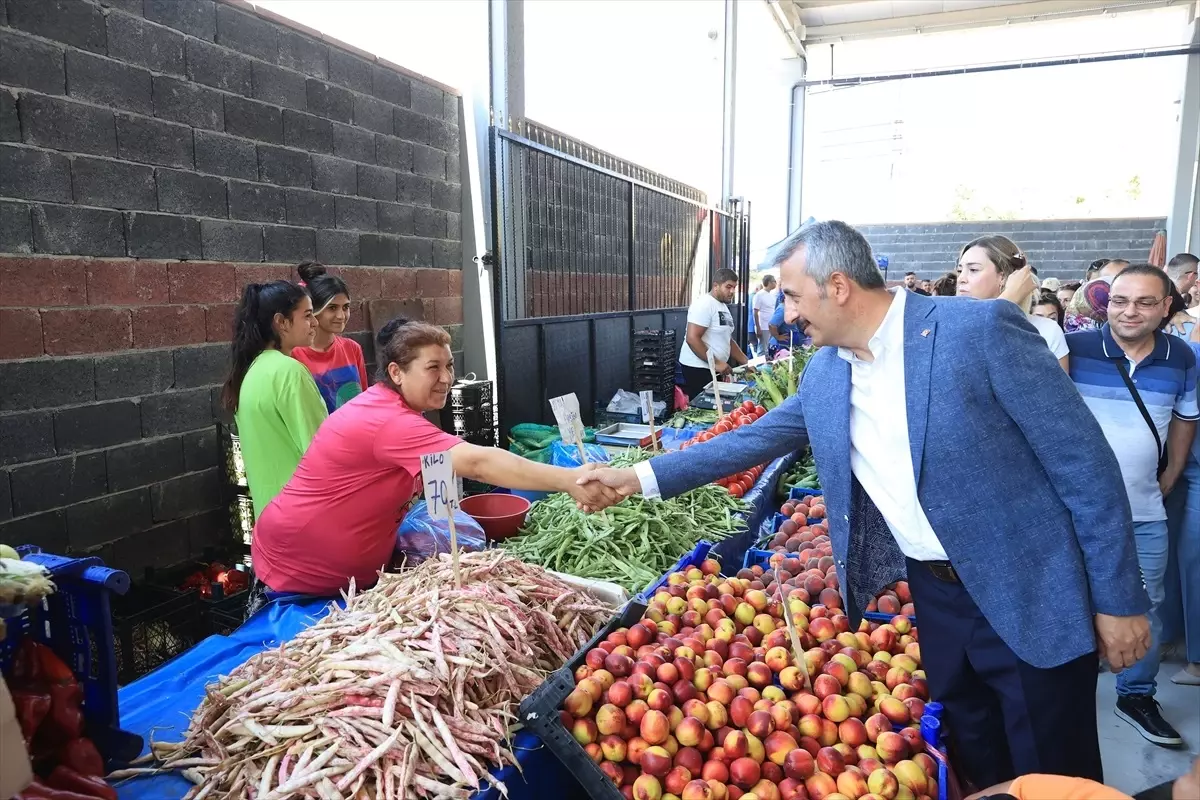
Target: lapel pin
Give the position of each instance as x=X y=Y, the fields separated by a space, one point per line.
x=925 y=332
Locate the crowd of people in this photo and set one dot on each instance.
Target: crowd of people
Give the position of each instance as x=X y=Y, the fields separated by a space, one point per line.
x=1077 y=473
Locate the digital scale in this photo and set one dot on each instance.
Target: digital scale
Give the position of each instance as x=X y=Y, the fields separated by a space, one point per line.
x=731 y=395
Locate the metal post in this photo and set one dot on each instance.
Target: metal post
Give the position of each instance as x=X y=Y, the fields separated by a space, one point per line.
x=730 y=100
x=632 y=248
x=1183 y=222
x=506 y=27
x=795 y=179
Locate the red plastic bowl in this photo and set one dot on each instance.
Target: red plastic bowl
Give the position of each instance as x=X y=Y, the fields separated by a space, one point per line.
x=500 y=515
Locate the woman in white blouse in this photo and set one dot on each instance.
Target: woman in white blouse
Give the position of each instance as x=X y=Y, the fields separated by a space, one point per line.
x=992 y=267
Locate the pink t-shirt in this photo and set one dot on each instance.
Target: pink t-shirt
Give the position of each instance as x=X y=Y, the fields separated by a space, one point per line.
x=337 y=517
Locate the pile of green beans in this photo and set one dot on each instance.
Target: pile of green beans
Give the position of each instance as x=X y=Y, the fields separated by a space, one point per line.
x=630 y=544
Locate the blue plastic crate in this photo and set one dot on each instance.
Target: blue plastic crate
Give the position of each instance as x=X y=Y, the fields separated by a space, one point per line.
x=697 y=555
x=778 y=520
x=879 y=616
x=799 y=493
x=76 y=622
x=760 y=557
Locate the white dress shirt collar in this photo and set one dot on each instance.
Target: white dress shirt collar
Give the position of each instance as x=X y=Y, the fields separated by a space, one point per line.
x=889 y=333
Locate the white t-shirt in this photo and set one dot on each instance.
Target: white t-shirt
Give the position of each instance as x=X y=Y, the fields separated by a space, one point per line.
x=1048 y=328
x=707 y=312
x=764 y=304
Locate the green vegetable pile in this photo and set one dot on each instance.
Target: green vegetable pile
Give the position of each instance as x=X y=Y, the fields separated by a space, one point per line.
x=779 y=380
x=533 y=441
x=631 y=544
x=692 y=416
x=802 y=474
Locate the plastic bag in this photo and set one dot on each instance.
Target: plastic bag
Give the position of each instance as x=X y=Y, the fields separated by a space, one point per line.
x=624 y=402
x=421 y=536
x=567 y=455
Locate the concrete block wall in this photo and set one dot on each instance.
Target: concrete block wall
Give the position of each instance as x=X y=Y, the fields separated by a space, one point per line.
x=156 y=156
x=1057 y=248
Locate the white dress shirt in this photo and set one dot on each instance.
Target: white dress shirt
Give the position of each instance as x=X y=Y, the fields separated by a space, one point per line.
x=880 y=456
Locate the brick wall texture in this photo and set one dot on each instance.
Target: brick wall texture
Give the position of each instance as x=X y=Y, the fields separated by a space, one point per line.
x=156 y=156
x=1057 y=248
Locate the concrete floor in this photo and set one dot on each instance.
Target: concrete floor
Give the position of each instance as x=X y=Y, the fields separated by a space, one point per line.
x=1133 y=764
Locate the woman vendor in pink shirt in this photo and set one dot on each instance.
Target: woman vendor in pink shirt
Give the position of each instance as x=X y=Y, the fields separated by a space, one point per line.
x=336 y=519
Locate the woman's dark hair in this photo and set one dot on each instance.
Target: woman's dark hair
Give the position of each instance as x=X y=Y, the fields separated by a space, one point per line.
x=322 y=287
x=1072 y=285
x=399 y=340
x=1095 y=267
x=946 y=286
x=254 y=330
x=1046 y=297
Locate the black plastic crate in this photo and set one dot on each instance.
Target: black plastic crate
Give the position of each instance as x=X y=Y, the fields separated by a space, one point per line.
x=539 y=713
x=231 y=450
x=241 y=518
x=468 y=393
x=651 y=337
x=152 y=625
x=473 y=419
x=227 y=614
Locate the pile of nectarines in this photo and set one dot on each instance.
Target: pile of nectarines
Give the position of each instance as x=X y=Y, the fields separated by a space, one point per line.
x=705 y=699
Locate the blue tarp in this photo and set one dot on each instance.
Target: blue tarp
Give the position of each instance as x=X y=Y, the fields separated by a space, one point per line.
x=763 y=503
x=159 y=705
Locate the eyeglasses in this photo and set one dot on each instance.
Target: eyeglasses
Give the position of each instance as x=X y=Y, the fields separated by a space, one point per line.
x=1142 y=303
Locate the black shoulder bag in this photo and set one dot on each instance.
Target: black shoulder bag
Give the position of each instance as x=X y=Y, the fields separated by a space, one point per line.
x=1137 y=398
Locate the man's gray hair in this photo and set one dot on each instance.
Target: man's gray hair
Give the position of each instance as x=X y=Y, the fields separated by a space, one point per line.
x=832 y=246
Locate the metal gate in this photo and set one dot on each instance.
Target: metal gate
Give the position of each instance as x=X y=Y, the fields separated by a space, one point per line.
x=585 y=255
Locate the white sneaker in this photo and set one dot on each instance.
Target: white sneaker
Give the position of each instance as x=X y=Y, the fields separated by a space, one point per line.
x=1188 y=676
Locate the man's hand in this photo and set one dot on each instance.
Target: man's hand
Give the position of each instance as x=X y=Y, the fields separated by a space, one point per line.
x=1122 y=641
x=593 y=495
x=1188 y=786
x=1168 y=480
x=722 y=368
x=622 y=482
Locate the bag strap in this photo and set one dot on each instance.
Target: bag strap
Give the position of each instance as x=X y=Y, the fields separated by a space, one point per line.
x=1137 y=398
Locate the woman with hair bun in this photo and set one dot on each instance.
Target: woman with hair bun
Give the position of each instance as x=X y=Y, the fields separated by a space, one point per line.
x=335 y=361
x=993 y=267
x=337 y=517
x=272 y=396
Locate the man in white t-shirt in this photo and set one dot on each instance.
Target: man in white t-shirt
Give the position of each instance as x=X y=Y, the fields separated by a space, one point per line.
x=761 y=309
x=710 y=329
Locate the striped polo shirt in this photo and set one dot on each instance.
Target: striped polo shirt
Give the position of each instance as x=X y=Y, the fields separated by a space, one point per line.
x=1166 y=381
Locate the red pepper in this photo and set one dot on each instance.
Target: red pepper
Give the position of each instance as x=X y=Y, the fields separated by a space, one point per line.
x=40 y=791
x=82 y=756
x=52 y=667
x=32 y=708
x=25 y=665
x=66 y=720
x=66 y=778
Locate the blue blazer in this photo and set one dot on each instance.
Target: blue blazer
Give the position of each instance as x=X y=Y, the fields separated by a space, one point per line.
x=1012 y=470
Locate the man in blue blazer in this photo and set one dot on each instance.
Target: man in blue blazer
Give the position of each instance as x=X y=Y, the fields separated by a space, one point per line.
x=953 y=448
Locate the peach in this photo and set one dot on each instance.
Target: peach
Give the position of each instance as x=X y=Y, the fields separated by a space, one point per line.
x=676 y=779
x=610 y=719
x=829 y=733
x=698 y=790
x=778 y=745
x=852 y=784
x=619 y=665
x=614 y=748
x=578 y=703
x=790 y=789
x=904 y=691
x=883 y=783
x=636 y=749
x=654 y=727
x=718 y=715
x=647 y=787
x=782 y=714
x=905 y=662
x=830 y=761
x=913 y=738
x=909 y=774
x=826 y=685
x=820 y=785
x=736 y=745
x=807 y=703
x=791 y=678
x=810 y=745
x=759 y=674
x=690 y=732
x=773 y=693
x=809 y=725
x=740 y=709
x=764 y=624
x=877 y=724
x=777 y=658
x=846 y=658
x=737 y=682
x=704 y=679
x=858 y=706
x=926 y=763
x=891 y=747
x=660 y=700
x=584 y=731
x=690 y=758
x=744 y=773
x=722 y=692
x=642 y=685
x=714 y=770
x=596 y=752
x=860 y=683
x=635 y=711
x=656 y=761
x=765 y=789
x=760 y=724
x=896 y=676
x=613 y=771
x=895 y=710
x=852 y=732
x=835 y=708
x=620 y=694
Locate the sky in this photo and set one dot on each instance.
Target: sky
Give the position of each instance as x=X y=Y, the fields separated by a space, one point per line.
x=642 y=79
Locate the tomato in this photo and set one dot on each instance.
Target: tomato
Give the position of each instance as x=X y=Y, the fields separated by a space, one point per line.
x=746 y=486
x=759 y=411
x=748 y=405
x=736 y=490
x=703 y=436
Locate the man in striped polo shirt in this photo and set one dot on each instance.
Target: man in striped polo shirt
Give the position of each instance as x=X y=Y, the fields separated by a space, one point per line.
x=1109 y=365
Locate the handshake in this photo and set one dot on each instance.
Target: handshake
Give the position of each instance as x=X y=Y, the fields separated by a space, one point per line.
x=596 y=486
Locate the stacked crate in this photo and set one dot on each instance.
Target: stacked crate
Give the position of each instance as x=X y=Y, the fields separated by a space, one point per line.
x=470 y=415
x=654 y=354
x=237 y=488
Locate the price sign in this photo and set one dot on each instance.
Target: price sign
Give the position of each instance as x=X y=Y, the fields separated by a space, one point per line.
x=647 y=398
x=712 y=369
x=441 y=489
x=566 y=414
